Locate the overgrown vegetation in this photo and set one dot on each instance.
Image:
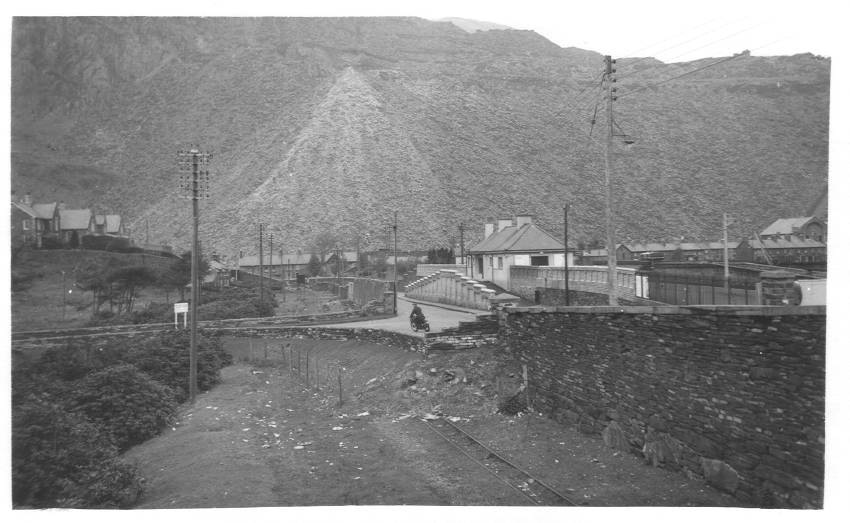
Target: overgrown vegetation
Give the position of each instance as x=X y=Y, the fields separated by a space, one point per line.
x=76 y=407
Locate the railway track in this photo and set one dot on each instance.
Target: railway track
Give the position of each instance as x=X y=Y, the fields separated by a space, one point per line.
x=533 y=490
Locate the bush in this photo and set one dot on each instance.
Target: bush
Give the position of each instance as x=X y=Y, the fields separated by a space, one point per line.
x=153 y=313
x=60 y=459
x=167 y=361
x=126 y=402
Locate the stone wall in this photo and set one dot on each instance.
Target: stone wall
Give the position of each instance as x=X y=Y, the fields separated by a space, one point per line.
x=731 y=394
x=484 y=330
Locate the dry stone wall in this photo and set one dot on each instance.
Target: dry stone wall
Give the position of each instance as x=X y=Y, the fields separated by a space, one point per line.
x=734 y=395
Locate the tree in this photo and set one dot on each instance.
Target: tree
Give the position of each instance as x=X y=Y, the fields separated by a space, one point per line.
x=124 y=281
x=92 y=278
x=324 y=243
x=314 y=266
x=179 y=273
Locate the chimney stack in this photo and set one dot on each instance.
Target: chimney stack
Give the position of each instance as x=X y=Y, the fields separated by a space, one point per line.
x=505 y=222
x=522 y=219
x=488 y=229
x=28 y=199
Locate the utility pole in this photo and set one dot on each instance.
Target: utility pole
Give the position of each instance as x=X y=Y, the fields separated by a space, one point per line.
x=261 y=265
x=725 y=255
x=395 y=262
x=271 y=255
x=462 y=257
x=566 y=265
x=338 y=275
x=194 y=179
x=282 y=276
x=609 y=212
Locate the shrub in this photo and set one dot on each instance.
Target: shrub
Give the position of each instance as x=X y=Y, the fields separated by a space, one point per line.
x=60 y=459
x=126 y=402
x=166 y=360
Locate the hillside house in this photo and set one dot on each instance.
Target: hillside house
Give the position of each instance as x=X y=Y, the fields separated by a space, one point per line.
x=805 y=227
x=508 y=243
x=32 y=223
x=75 y=223
x=793 y=250
x=284 y=266
x=663 y=251
x=110 y=224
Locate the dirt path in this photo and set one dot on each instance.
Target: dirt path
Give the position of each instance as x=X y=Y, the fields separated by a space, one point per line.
x=263 y=438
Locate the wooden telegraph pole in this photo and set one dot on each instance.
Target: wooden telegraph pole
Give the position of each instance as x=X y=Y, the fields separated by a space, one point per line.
x=609 y=212
x=194 y=183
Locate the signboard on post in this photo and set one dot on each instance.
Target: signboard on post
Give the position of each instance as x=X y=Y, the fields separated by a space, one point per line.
x=181 y=308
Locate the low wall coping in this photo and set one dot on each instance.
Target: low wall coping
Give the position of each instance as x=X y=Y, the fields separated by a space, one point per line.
x=693 y=310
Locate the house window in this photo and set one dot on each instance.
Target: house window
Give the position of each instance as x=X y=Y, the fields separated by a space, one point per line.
x=500 y=262
x=25 y=225
x=539 y=260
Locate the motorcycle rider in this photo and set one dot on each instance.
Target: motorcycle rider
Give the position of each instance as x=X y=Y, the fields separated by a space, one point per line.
x=417 y=316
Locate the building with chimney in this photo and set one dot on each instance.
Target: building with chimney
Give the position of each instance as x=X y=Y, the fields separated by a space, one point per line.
x=510 y=242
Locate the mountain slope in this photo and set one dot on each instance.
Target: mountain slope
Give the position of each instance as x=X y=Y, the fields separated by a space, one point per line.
x=334 y=124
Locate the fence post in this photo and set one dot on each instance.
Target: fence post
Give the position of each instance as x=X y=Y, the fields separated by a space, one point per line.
x=307 y=369
x=339 y=382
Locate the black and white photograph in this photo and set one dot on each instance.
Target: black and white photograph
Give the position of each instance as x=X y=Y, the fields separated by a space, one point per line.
x=425 y=256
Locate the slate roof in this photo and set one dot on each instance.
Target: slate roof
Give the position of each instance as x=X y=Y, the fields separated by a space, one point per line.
x=27 y=209
x=781 y=243
x=291 y=259
x=74 y=219
x=528 y=238
x=45 y=210
x=786 y=225
x=112 y=222
x=672 y=246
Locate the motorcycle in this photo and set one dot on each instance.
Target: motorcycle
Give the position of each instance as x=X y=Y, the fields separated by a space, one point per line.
x=418 y=324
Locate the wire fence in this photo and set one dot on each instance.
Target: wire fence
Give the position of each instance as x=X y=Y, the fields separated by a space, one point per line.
x=303 y=364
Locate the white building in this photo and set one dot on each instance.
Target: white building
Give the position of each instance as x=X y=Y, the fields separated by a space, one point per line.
x=509 y=243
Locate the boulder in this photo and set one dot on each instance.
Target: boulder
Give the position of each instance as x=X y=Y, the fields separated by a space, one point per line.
x=614 y=437
x=720 y=475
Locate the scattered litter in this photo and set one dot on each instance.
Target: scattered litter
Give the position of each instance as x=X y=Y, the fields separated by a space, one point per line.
x=430 y=416
x=290 y=410
x=356 y=477
x=337 y=428
x=298 y=447
x=364 y=413
x=245 y=440
x=267 y=382
x=373 y=380
x=243 y=430
x=276 y=434
x=454 y=419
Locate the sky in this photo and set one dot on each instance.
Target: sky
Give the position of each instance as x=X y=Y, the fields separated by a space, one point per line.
x=668 y=30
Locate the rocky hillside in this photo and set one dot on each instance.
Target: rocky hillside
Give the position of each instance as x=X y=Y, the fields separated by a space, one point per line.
x=333 y=124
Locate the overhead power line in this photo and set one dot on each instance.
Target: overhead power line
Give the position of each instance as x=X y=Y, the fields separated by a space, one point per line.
x=718 y=62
